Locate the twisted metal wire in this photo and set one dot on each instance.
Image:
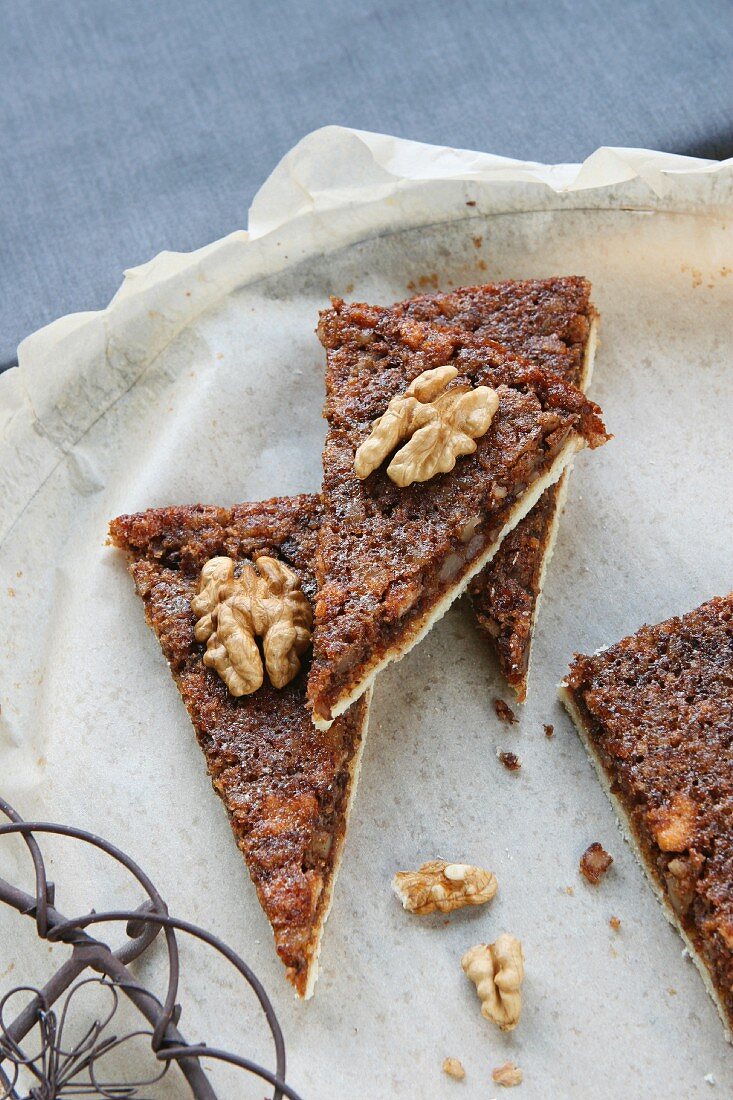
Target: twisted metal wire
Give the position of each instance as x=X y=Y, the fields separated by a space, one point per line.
x=58 y=1071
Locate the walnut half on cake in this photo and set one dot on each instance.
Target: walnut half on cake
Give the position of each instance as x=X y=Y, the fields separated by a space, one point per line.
x=655 y=712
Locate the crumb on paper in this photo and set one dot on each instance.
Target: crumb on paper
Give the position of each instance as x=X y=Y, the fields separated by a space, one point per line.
x=672 y=991
x=570 y=891
x=508 y=1075
x=349 y=288
x=470 y=202
x=549 y=730
x=510 y=760
x=615 y=923
x=594 y=863
x=709 y=1079
x=504 y=712
x=454 y=1068
x=478 y=241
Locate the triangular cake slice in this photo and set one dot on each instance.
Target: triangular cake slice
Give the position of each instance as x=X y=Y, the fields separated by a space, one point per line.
x=391 y=559
x=553 y=323
x=286 y=785
x=655 y=712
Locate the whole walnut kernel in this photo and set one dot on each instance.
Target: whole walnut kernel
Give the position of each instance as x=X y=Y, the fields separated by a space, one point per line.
x=439 y=425
x=265 y=601
x=497 y=971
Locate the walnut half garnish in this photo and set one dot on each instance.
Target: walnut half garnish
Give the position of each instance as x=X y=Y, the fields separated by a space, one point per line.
x=497 y=971
x=266 y=602
x=443 y=886
x=439 y=424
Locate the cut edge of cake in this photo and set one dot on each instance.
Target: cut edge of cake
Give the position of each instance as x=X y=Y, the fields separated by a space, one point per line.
x=326 y=899
x=420 y=627
x=520 y=689
x=626 y=828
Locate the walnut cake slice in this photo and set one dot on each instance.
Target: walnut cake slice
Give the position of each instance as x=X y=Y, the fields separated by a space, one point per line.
x=553 y=323
x=655 y=712
x=242 y=579
x=404 y=532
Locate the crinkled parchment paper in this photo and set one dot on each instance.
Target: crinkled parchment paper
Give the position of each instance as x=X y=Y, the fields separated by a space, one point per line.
x=202 y=381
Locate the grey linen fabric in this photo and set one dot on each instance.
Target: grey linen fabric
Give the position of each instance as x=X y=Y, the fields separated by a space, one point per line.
x=130 y=127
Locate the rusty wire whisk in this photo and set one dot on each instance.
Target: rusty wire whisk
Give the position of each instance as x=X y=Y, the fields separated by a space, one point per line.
x=56 y=1071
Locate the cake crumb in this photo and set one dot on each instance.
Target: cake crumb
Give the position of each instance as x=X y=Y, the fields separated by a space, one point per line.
x=709 y=1079
x=478 y=241
x=505 y=712
x=470 y=202
x=510 y=760
x=549 y=730
x=672 y=991
x=508 y=1075
x=454 y=1068
x=615 y=923
x=594 y=863
x=570 y=891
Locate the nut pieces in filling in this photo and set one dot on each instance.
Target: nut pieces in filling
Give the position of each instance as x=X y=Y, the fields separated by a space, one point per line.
x=497 y=971
x=443 y=886
x=440 y=424
x=266 y=602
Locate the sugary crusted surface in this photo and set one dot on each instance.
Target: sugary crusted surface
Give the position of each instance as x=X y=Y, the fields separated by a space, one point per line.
x=547 y=321
x=383 y=550
x=284 y=783
x=658 y=708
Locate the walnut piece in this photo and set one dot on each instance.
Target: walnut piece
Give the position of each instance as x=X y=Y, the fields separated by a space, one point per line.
x=497 y=971
x=454 y=1068
x=510 y=760
x=266 y=602
x=440 y=424
x=673 y=826
x=507 y=1075
x=594 y=863
x=443 y=886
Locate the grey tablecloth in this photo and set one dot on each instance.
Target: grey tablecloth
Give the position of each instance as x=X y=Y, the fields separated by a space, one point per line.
x=129 y=127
